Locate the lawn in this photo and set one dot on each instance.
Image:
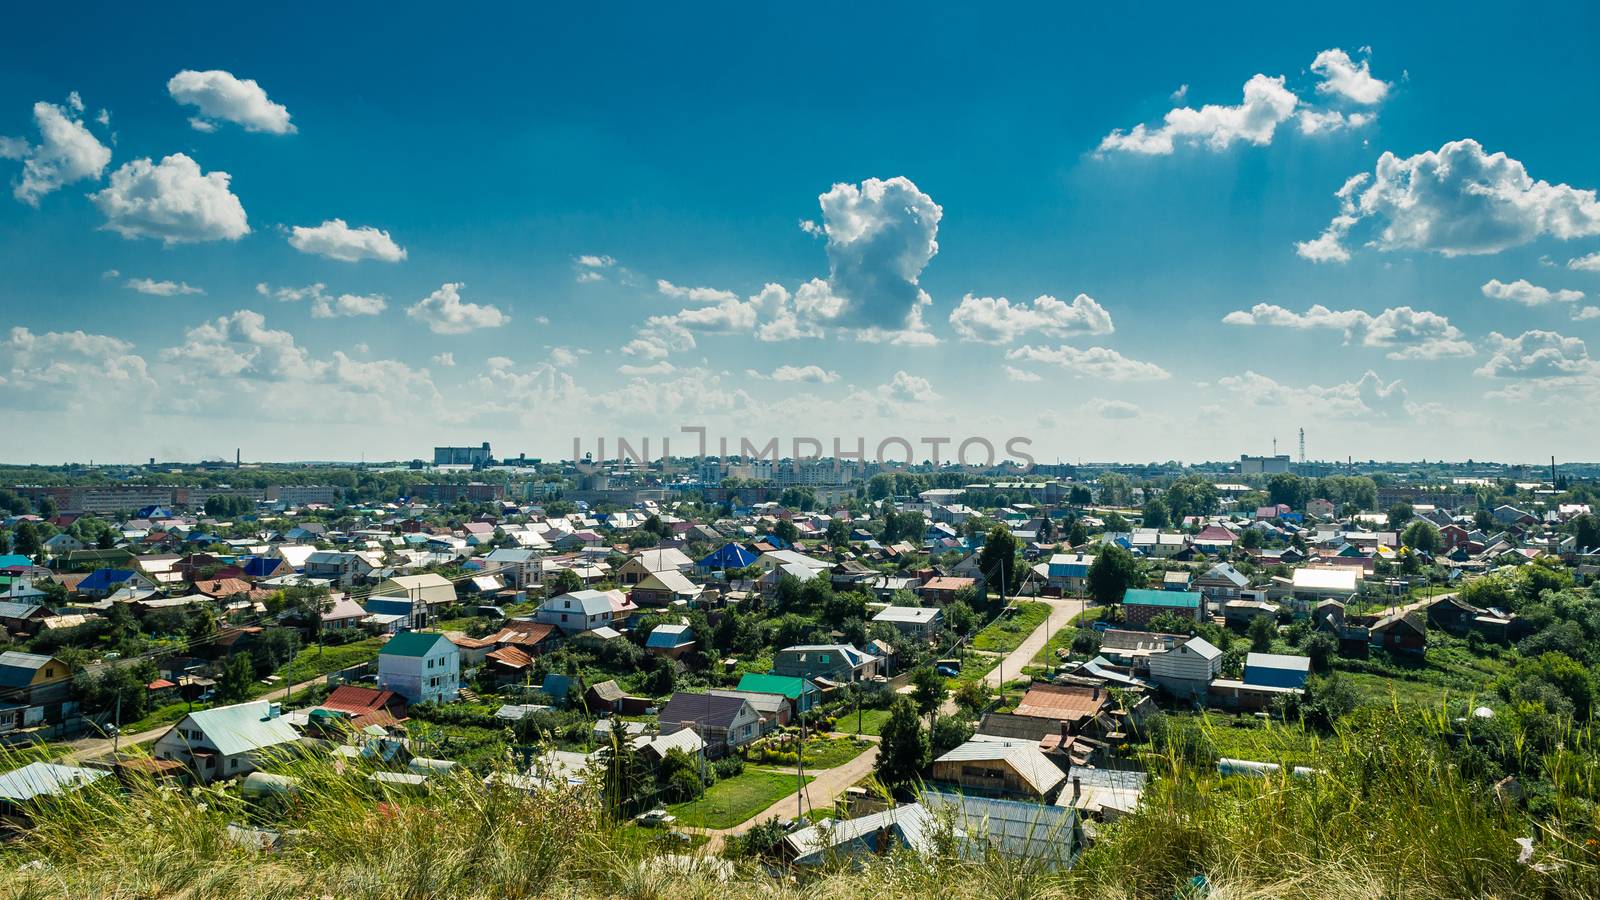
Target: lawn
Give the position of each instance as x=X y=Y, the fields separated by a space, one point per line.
x=1247 y=737
x=826 y=753
x=1006 y=633
x=736 y=799
x=646 y=841
x=871 y=721
x=974 y=666
x=161 y=716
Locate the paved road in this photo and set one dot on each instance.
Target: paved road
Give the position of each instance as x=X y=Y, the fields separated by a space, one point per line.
x=1062 y=612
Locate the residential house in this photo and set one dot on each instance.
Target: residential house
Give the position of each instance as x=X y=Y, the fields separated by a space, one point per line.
x=725 y=558
x=650 y=562
x=1188 y=669
x=942 y=589
x=429 y=590
x=421 y=666
x=1140 y=605
x=800 y=694
x=922 y=622
x=583 y=610
x=836 y=663
x=724 y=723
x=37 y=691
x=999 y=768
x=21 y=788
x=1221 y=582
x=1214 y=540
x=226 y=741
x=669 y=640
x=342 y=614
x=1276 y=669
x=981 y=826
x=345 y=567
x=519 y=566
x=1068 y=573
x=664 y=588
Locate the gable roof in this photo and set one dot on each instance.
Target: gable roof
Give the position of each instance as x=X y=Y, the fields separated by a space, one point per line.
x=702 y=710
x=17 y=668
x=242 y=727
x=413 y=643
x=1023 y=757
x=1148 y=597
x=39 y=779
x=787 y=685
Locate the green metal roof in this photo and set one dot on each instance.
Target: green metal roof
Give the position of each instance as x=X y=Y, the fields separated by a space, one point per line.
x=1147 y=597
x=787 y=685
x=412 y=643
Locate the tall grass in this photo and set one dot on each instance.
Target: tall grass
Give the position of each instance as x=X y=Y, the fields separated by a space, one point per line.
x=1392 y=814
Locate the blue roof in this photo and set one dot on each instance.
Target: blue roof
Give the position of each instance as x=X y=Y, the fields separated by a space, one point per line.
x=666 y=637
x=729 y=556
x=261 y=566
x=387 y=606
x=1147 y=597
x=104 y=579
x=14 y=559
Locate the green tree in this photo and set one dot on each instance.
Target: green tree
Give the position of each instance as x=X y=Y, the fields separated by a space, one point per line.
x=1420 y=535
x=565 y=581
x=1155 y=513
x=1079 y=535
x=1399 y=515
x=948 y=733
x=1585 y=530
x=28 y=542
x=786 y=530
x=237 y=676
x=1290 y=490
x=973 y=696
x=902 y=746
x=998 y=560
x=1113 y=571
x=1262 y=632
x=927 y=690
x=838 y=533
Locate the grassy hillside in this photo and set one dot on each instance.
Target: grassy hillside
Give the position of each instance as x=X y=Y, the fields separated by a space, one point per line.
x=1402 y=808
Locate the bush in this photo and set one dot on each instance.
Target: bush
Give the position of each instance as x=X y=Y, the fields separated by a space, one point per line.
x=728 y=767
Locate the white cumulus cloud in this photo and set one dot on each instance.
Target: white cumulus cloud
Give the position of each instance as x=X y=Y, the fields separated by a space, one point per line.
x=218 y=95
x=1345 y=78
x=1266 y=105
x=171 y=201
x=994 y=320
x=1405 y=332
x=160 y=288
x=335 y=239
x=1528 y=294
x=66 y=152
x=1093 y=362
x=1457 y=200
x=444 y=312
x=1536 y=354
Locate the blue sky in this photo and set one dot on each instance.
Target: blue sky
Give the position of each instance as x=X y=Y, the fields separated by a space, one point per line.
x=579 y=176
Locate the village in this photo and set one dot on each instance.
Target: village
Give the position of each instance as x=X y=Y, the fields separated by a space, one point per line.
x=793 y=672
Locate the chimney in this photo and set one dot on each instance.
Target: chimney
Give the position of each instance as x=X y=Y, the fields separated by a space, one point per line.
x=1077 y=787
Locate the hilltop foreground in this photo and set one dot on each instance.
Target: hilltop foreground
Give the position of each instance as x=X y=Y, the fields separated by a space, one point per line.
x=1396 y=816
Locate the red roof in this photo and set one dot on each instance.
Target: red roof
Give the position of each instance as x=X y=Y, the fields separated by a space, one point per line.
x=357 y=700
x=511 y=656
x=160 y=684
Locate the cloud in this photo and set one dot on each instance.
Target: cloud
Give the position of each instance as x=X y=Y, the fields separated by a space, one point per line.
x=1407 y=333
x=1526 y=293
x=1109 y=409
x=806 y=374
x=1331 y=120
x=161 y=288
x=325 y=305
x=695 y=294
x=72 y=370
x=1022 y=375
x=590 y=267
x=1094 y=362
x=995 y=321
x=1585 y=313
x=66 y=152
x=1536 y=354
x=1455 y=201
x=1368 y=397
x=447 y=360
x=661 y=367
x=241 y=345
x=444 y=312
x=1266 y=105
x=336 y=240
x=219 y=95
x=881 y=234
x=171 y=201
x=1346 y=79
x=1590 y=263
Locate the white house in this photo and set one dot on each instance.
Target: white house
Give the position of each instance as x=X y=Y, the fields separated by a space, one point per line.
x=1187 y=669
x=421 y=666
x=583 y=610
x=226 y=741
